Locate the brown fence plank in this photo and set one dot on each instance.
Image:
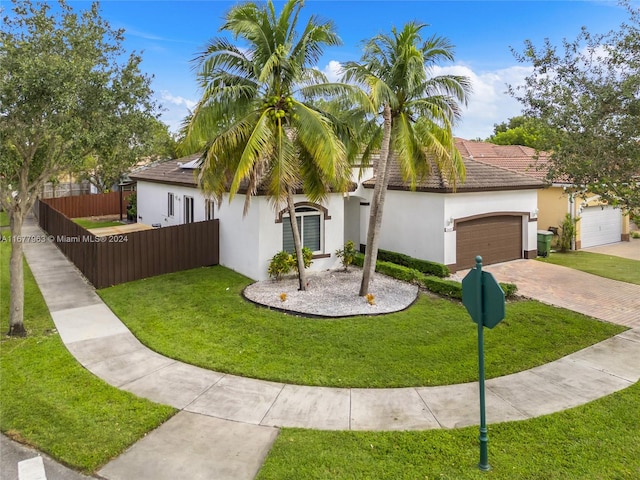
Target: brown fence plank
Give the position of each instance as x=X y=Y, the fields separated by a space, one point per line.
x=90 y=205
x=144 y=254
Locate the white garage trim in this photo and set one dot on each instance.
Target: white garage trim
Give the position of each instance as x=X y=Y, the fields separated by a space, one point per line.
x=599 y=226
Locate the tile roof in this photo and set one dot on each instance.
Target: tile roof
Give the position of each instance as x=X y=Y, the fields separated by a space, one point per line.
x=178 y=172
x=480 y=177
x=524 y=160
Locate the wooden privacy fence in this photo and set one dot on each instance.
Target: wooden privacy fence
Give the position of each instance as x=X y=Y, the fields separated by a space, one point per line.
x=91 y=205
x=116 y=259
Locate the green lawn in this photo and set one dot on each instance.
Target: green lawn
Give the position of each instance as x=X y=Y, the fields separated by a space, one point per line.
x=88 y=223
x=4 y=219
x=198 y=317
x=50 y=401
x=599 y=440
x=607 y=266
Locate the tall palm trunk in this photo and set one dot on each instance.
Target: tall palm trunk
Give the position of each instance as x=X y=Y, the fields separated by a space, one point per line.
x=302 y=274
x=377 y=204
x=16 y=275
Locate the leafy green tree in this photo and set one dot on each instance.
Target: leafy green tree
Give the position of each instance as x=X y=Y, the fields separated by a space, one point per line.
x=517 y=131
x=255 y=121
x=418 y=111
x=63 y=84
x=587 y=94
x=135 y=137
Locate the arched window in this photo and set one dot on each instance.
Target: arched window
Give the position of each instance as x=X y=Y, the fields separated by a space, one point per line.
x=310 y=219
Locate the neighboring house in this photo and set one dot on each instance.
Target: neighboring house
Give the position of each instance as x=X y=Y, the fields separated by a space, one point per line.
x=491 y=214
x=599 y=223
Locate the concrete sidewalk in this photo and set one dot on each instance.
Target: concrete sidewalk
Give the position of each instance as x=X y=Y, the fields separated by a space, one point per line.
x=228 y=423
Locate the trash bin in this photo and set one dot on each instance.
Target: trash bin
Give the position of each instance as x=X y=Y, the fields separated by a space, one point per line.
x=544 y=243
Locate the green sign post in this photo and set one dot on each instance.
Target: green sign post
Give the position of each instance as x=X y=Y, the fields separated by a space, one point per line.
x=483 y=298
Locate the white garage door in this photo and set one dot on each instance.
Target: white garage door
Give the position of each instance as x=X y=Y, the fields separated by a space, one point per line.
x=599 y=226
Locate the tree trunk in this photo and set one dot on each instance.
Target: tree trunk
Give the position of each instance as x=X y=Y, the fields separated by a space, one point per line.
x=377 y=204
x=302 y=274
x=16 y=274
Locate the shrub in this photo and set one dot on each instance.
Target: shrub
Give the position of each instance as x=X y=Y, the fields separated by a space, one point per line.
x=280 y=264
x=400 y=272
x=132 y=206
x=509 y=289
x=446 y=288
x=424 y=266
x=439 y=286
x=307 y=258
x=283 y=262
x=568 y=232
x=347 y=254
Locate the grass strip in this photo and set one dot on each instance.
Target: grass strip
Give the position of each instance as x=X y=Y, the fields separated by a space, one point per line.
x=89 y=224
x=199 y=317
x=51 y=402
x=599 y=440
x=607 y=266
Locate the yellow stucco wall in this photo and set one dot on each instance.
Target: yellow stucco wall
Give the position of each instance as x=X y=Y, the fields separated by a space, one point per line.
x=552 y=207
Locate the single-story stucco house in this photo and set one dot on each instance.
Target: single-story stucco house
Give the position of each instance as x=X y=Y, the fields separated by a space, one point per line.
x=493 y=214
x=599 y=223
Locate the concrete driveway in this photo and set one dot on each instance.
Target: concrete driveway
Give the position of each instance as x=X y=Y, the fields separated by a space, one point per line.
x=630 y=249
x=609 y=300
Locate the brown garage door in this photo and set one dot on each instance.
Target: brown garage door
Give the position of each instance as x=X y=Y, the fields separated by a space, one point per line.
x=496 y=239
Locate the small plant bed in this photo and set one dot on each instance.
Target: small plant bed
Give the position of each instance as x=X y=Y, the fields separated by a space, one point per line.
x=48 y=400
x=565 y=445
x=199 y=317
x=89 y=223
x=607 y=266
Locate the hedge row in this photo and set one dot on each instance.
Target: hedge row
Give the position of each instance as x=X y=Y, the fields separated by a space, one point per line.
x=423 y=266
x=440 y=286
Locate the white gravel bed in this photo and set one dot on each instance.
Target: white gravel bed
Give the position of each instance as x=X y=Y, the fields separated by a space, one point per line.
x=333 y=293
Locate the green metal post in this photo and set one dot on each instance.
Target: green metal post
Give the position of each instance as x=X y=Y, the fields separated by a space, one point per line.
x=484 y=437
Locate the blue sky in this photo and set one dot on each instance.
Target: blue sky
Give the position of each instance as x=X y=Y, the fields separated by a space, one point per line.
x=169 y=33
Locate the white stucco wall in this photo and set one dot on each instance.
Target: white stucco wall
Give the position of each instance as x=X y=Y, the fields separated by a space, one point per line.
x=413 y=223
x=247 y=243
x=352 y=220
x=152 y=203
x=419 y=223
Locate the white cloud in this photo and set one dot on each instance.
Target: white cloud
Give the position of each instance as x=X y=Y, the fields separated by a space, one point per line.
x=177 y=100
x=333 y=71
x=175 y=109
x=489 y=103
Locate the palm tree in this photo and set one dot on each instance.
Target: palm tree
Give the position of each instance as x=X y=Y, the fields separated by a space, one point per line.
x=418 y=111
x=256 y=122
